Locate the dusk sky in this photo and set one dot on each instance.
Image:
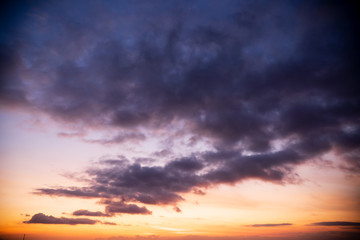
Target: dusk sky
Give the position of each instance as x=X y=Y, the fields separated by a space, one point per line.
x=179 y=120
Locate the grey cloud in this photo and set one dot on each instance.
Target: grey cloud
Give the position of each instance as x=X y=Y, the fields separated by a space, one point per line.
x=45 y=219
x=270 y=225
x=120 y=138
x=132 y=86
x=268 y=167
x=11 y=87
x=337 y=223
x=69 y=192
x=177 y=209
x=117 y=179
x=121 y=207
x=185 y=164
x=109 y=223
x=71 y=134
x=266 y=72
x=83 y=212
x=162 y=153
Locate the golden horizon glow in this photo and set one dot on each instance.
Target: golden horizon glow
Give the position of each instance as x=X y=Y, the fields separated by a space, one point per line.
x=225 y=210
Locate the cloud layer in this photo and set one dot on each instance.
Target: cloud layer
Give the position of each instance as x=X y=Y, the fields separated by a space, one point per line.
x=267 y=85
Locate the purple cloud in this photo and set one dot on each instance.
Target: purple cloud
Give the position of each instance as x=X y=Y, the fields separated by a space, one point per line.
x=177 y=209
x=83 y=212
x=337 y=223
x=109 y=223
x=264 y=73
x=121 y=207
x=45 y=219
x=270 y=225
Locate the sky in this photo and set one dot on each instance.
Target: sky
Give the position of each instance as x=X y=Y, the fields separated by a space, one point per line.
x=179 y=120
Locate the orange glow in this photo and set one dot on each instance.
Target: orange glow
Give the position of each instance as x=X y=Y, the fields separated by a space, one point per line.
x=223 y=211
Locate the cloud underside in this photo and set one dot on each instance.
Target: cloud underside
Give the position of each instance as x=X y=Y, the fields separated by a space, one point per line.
x=41 y=218
x=267 y=88
x=83 y=212
x=270 y=225
x=163 y=185
x=44 y=219
x=337 y=223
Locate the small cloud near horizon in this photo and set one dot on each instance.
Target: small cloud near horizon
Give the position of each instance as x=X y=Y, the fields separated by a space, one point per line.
x=270 y=225
x=336 y=223
x=47 y=219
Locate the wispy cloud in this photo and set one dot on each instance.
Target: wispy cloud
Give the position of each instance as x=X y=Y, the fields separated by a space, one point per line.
x=270 y=225
x=83 y=212
x=109 y=223
x=337 y=223
x=326 y=235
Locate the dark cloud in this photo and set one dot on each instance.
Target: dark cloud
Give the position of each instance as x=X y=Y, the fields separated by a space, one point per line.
x=199 y=192
x=275 y=167
x=177 y=209
x=119 y=179
x=268 y=85
x=83 y=212
x=337 y=223
x=185 y=164
x=216 y=85
x=121 y=207
x=44 y=219
x=11 y=87
x=109 y=223
x=69 y=192
x=162 y=153
x=270 y=225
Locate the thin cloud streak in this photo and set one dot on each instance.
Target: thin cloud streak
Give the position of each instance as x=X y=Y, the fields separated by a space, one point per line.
x=325 y=235
x=337 y=223
x=270 y=225
x=41 y=218
x=83 y=212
